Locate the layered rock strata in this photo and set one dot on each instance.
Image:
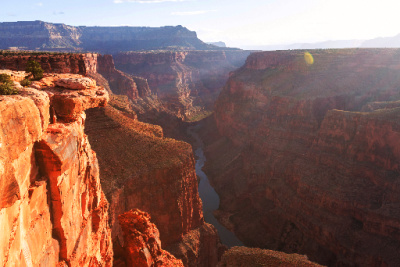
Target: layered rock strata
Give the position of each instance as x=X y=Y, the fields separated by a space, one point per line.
x=140 y=169
x=52 y=208
x=39 y=35
x=51 y=62
x=186 y=81
x=99 y=67
x=121 y=83
x=299 y=168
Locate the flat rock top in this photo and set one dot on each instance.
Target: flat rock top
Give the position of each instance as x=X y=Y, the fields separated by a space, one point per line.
x=69 y=94
x=78 y=83
x=15 y=75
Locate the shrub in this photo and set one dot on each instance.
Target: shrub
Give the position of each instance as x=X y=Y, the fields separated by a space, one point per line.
x=5 y=78
x=7 y=88
x=34 y=68
x=25 y=82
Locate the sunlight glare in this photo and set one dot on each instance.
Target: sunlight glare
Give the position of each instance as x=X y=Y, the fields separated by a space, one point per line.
x=308 y=58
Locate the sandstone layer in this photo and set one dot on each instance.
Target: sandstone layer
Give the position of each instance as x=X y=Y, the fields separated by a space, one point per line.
x=186 y=81
x=51 y=62
x=299 y=168
x=52 y=207
x=140 y=169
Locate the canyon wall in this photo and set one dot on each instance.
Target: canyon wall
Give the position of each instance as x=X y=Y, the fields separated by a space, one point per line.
x=51 y=62
x=308 y=157
x=121 y=83
x=140 y=169
x=52 y=207
x=186 y=81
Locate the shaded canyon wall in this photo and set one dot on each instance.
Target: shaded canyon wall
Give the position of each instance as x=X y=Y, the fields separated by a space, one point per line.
x=307 y=158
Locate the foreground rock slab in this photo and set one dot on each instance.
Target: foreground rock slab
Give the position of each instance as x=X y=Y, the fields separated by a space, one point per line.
x=52 y=207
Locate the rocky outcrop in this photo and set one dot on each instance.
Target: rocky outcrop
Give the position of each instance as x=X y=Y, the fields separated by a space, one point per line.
x=121 y=83
x=140 y=169
x=186 y=81
x=200 y=247
x=39 y=35
x=51 y=62
x=52 y=208
x=94 y=65
x=242 y=256
x=142 y=245
x=298 y=167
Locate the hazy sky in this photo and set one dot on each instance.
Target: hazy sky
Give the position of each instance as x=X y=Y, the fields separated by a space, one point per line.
x=238 y=23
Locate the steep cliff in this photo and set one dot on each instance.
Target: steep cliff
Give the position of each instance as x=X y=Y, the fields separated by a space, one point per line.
x=298 y=167
x=121 y=83
x=186 y=81
x=52 y=208
x=142 y=169
x=39 y=35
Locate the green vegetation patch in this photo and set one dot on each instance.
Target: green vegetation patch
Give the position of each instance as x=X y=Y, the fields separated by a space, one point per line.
x=7 y=85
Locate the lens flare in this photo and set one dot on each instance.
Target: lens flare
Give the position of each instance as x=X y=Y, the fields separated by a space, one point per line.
x=308 y=58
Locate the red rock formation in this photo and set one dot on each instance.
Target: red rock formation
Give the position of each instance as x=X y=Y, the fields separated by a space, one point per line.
x=121 y=83
x=200 y=247
x=51 y=63
x=242 y=256
x=186 y=81
x=52 y=208
x=142 y=243
x=297 y=173
x=141 y=169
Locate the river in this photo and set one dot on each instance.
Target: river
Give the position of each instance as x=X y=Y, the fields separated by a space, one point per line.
x=208 y=195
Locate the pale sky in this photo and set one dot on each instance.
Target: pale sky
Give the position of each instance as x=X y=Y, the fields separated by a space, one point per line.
x=237 y=23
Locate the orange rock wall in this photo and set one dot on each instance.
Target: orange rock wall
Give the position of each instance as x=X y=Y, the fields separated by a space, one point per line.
x=52 y=63
x=52 y=207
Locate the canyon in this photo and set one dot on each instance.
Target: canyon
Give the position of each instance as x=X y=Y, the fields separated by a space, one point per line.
x=303 y=151
x=187 y=82
x=161 y=180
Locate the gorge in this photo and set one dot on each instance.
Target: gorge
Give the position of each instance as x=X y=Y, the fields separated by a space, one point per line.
x=307 y=155
x=301 y=153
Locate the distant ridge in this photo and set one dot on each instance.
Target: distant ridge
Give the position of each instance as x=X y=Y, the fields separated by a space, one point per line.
x=381 y=42
x=44 y=36
x=219 y=44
